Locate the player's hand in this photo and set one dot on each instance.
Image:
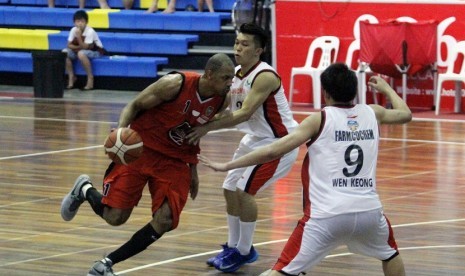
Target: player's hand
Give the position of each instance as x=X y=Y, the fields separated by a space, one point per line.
x=194 y=135
x=221 y=167
x=379 y=84
x=194 y=187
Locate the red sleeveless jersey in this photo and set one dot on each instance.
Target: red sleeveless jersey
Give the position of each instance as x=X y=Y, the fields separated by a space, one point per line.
x=164 y=127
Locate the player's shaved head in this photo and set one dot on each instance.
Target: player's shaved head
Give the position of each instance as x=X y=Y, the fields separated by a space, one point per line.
x=217 y=61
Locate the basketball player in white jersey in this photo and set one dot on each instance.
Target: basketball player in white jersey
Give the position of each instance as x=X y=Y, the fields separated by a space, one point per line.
x=341 y=204
x=259 y=108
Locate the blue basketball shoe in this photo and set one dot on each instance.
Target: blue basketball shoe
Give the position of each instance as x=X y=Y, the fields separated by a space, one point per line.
x=234 y=260
x=211 y=261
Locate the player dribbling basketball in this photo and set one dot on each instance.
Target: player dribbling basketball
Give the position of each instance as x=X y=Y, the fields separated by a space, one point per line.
x=161 y=114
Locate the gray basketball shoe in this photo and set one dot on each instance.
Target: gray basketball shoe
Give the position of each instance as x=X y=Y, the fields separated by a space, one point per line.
x=74 y=199
x=101 y=268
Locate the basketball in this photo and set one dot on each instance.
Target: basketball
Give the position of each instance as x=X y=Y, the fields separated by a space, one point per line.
x=123 y=145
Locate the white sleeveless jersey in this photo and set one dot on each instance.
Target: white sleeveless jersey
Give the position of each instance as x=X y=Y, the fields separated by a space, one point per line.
x=272 y=119
x=341 y=163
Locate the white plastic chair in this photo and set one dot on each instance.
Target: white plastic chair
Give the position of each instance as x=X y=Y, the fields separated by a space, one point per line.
x=329 y=46
x=449 y=75
x=362 y=68
x=449 y=41
x=407 y=19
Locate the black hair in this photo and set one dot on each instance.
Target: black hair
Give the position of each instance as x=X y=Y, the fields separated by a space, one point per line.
x=339 y=82
x=81 y=14
x=260 y=36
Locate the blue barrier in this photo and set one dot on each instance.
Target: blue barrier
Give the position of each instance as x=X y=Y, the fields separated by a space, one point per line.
x=120 y=66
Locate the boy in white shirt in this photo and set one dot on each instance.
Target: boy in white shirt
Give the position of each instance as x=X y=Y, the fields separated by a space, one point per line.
x=83 y=44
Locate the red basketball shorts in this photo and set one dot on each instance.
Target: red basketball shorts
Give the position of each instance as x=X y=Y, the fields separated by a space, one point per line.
x=167 y=178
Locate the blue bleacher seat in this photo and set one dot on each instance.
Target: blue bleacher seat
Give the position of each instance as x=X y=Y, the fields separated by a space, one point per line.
x=219 y=5
x=121 y=66
x=124 y=66
x=133 y=43
x=16 y=62
x=36 y=16
x=124 y=19
x=179 y=21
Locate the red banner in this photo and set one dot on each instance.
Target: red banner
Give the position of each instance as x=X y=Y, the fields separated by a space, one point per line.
x=387 y=44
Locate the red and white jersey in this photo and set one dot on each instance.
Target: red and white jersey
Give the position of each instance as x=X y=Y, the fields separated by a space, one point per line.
x=272 y=119
x=339 y=171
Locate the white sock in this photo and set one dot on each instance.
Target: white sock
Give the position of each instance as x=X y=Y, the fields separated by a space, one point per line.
x=234 y=230
x=85 y=188
x=246 y=238
x=107 y=261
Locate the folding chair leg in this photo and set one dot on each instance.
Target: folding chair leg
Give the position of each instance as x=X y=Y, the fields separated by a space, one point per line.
x=291 y=90
x=458 y=97
x=438 y=98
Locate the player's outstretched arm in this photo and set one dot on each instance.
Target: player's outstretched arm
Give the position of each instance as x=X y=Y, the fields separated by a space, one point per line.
x=264 y=84
x=304 y=132
x=400 y=112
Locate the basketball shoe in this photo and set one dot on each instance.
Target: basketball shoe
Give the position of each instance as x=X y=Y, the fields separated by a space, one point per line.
x=74 y=199
x=234 y=260
x=101 y=268
x=226 y=249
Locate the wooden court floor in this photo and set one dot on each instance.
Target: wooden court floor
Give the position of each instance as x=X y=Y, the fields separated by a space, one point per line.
x=46 y=144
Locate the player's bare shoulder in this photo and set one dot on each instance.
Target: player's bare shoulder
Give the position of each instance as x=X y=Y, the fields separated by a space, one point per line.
x=168 y=86
x=171 y=81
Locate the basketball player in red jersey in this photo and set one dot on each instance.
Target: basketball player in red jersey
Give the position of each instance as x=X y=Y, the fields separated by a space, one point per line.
x=162 y=114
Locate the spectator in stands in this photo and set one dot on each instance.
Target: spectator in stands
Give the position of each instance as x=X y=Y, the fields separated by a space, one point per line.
x=170 y=9
x=83 y=44
x=209 y=5
x=127 y=4
x=103 y=4
x=51 y=3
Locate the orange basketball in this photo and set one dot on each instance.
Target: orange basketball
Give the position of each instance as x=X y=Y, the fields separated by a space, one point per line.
x=123 y=145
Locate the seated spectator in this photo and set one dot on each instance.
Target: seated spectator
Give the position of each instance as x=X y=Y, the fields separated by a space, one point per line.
x=170 y=9
x=102 y=3
x=51 y=4
x=209 y=5
x=83 y=44
x=127 y=4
